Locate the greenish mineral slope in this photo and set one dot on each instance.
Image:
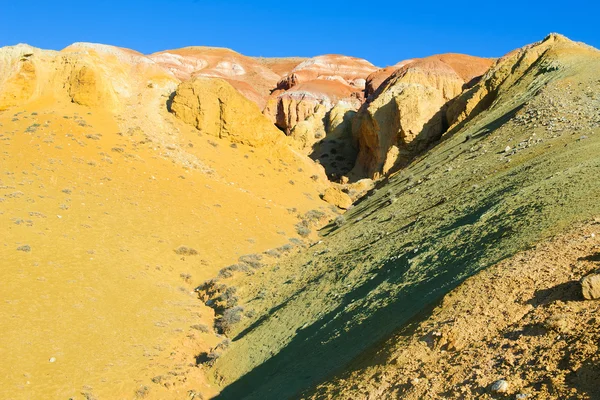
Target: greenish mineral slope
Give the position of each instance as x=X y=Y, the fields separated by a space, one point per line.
x=521 y=164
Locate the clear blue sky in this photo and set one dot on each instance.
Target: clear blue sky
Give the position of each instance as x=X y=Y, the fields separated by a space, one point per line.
x=383 y=32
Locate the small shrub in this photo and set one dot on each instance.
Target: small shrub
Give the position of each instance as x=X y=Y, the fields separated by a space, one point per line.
x=186 y=277
x=228 y=271
x=228 y=299
x=302 y=230
x=230 y=318
x=185 y=251
x=314 y=215
x=223 y=345
x=142 y=392
x=339 y=221
x=25 y=248
x=286 y=248
x=211 y=357
x=32 y=128
x=273 y=253
x=296 y=242
x=252 y=260
x=201 y=327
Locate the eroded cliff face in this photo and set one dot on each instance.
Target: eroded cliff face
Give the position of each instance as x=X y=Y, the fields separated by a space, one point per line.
x=319 y=81
x=407 y=111
x=215 y=108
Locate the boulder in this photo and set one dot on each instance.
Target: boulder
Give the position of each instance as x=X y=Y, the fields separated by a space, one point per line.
x=336 y=197
x=590 y=287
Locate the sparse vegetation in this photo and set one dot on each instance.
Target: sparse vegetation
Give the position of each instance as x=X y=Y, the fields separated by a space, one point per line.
x=302 y=230
x=273 y=253
x=253 y=260
x=185 y=251
x=227 y=272
x=32 y=128
x=142 y=392
x=229 y=319
x=201 y=327
x=24 y=248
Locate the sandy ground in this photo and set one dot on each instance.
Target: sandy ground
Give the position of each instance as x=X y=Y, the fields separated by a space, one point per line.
x=99 y=303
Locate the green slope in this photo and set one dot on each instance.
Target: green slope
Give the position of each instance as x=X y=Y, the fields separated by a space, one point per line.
x=463 y=206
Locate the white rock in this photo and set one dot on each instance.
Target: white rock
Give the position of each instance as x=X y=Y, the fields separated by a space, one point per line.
x=52 y=359
x=500 y=386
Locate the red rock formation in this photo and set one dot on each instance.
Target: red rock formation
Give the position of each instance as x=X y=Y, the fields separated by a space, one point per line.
x=319 y=81
x=251 y=77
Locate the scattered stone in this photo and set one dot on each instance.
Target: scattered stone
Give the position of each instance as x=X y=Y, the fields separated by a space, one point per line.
x=52 y=359
x=590 y=287
x=500 y=386
x=507 y=149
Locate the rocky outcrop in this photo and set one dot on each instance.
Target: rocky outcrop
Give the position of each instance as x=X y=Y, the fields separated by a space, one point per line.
x=18 y=75
x=215 y=108
x=407 y=111
x=291 y=107
x=87 y=74
x=326 y=136
x=336 y=197
x=319 y=81
x=375 y=80
x=509 y=70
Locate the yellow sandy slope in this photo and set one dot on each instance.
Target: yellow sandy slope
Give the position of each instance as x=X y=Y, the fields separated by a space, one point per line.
x=101 y=303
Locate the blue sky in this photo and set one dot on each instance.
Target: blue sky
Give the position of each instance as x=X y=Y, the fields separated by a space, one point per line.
x=384 y=32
